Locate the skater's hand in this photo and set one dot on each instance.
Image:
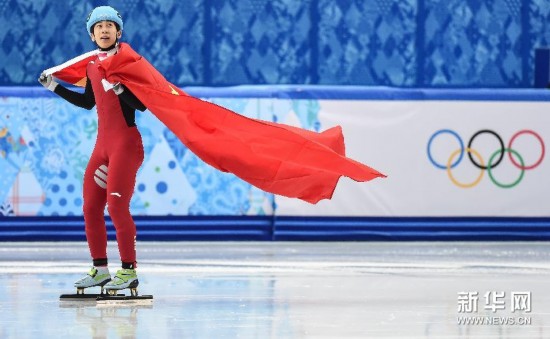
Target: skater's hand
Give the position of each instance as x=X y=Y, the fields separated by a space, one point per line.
x=47 y=81
x=117 y=88
x=107 y=86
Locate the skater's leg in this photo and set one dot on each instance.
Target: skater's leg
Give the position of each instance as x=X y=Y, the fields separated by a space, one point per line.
x=123 y=167
x=95 y=198
x=122 y=179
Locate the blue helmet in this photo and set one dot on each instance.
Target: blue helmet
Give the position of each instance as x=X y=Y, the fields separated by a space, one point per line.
x=103 y=13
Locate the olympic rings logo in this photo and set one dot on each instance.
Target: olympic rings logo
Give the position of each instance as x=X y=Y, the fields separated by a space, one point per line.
x=494 y=159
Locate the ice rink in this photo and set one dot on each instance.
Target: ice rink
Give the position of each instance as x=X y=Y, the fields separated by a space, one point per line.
x=287 y=290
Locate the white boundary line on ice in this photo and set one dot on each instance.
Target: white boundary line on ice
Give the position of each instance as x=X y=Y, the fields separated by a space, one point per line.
x=250 y=267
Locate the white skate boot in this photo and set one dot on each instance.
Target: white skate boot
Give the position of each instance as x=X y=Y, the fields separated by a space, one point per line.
x=124 y=278
x=98 y=276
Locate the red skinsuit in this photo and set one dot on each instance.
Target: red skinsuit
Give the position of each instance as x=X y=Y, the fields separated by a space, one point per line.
x=120 y=149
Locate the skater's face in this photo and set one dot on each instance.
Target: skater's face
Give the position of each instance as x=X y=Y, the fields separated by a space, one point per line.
x=105 y=34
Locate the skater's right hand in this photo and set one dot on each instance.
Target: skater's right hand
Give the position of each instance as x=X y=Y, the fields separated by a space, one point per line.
x=47 y=81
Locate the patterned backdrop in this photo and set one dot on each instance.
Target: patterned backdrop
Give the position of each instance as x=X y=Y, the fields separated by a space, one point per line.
x=45 y=144
x=410 y=43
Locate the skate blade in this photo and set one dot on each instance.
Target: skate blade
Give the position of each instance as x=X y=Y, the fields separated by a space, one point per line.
x=122 y=300
x=82 y=297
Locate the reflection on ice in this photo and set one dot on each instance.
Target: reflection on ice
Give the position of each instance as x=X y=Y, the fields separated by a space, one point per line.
x=106 y=322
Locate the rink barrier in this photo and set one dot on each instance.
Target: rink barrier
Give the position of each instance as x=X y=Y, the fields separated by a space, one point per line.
x=268 y=228
x=410 y=228
x=301 y=228
x=320 y=92
x=165 y=228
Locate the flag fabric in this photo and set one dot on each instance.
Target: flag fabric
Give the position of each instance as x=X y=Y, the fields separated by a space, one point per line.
x=74 y=70
x=274 y=157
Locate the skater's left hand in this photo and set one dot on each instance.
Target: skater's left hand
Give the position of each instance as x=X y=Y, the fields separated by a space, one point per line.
x=117 y=88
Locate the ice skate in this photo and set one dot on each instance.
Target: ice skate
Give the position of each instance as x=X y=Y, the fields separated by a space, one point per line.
x=124 y=279
x=98 y=276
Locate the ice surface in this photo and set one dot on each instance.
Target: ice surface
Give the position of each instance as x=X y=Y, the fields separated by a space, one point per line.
x=283 y=290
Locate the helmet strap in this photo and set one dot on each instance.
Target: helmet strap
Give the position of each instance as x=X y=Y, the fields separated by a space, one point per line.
x=107 y=49
x=110 y=48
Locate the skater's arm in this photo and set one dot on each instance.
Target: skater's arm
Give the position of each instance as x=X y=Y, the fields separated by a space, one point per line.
x=85 y=100
x=128 y=97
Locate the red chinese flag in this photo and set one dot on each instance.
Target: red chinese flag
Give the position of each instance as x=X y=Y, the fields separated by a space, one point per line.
x=74 y=70
x=274 y=157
